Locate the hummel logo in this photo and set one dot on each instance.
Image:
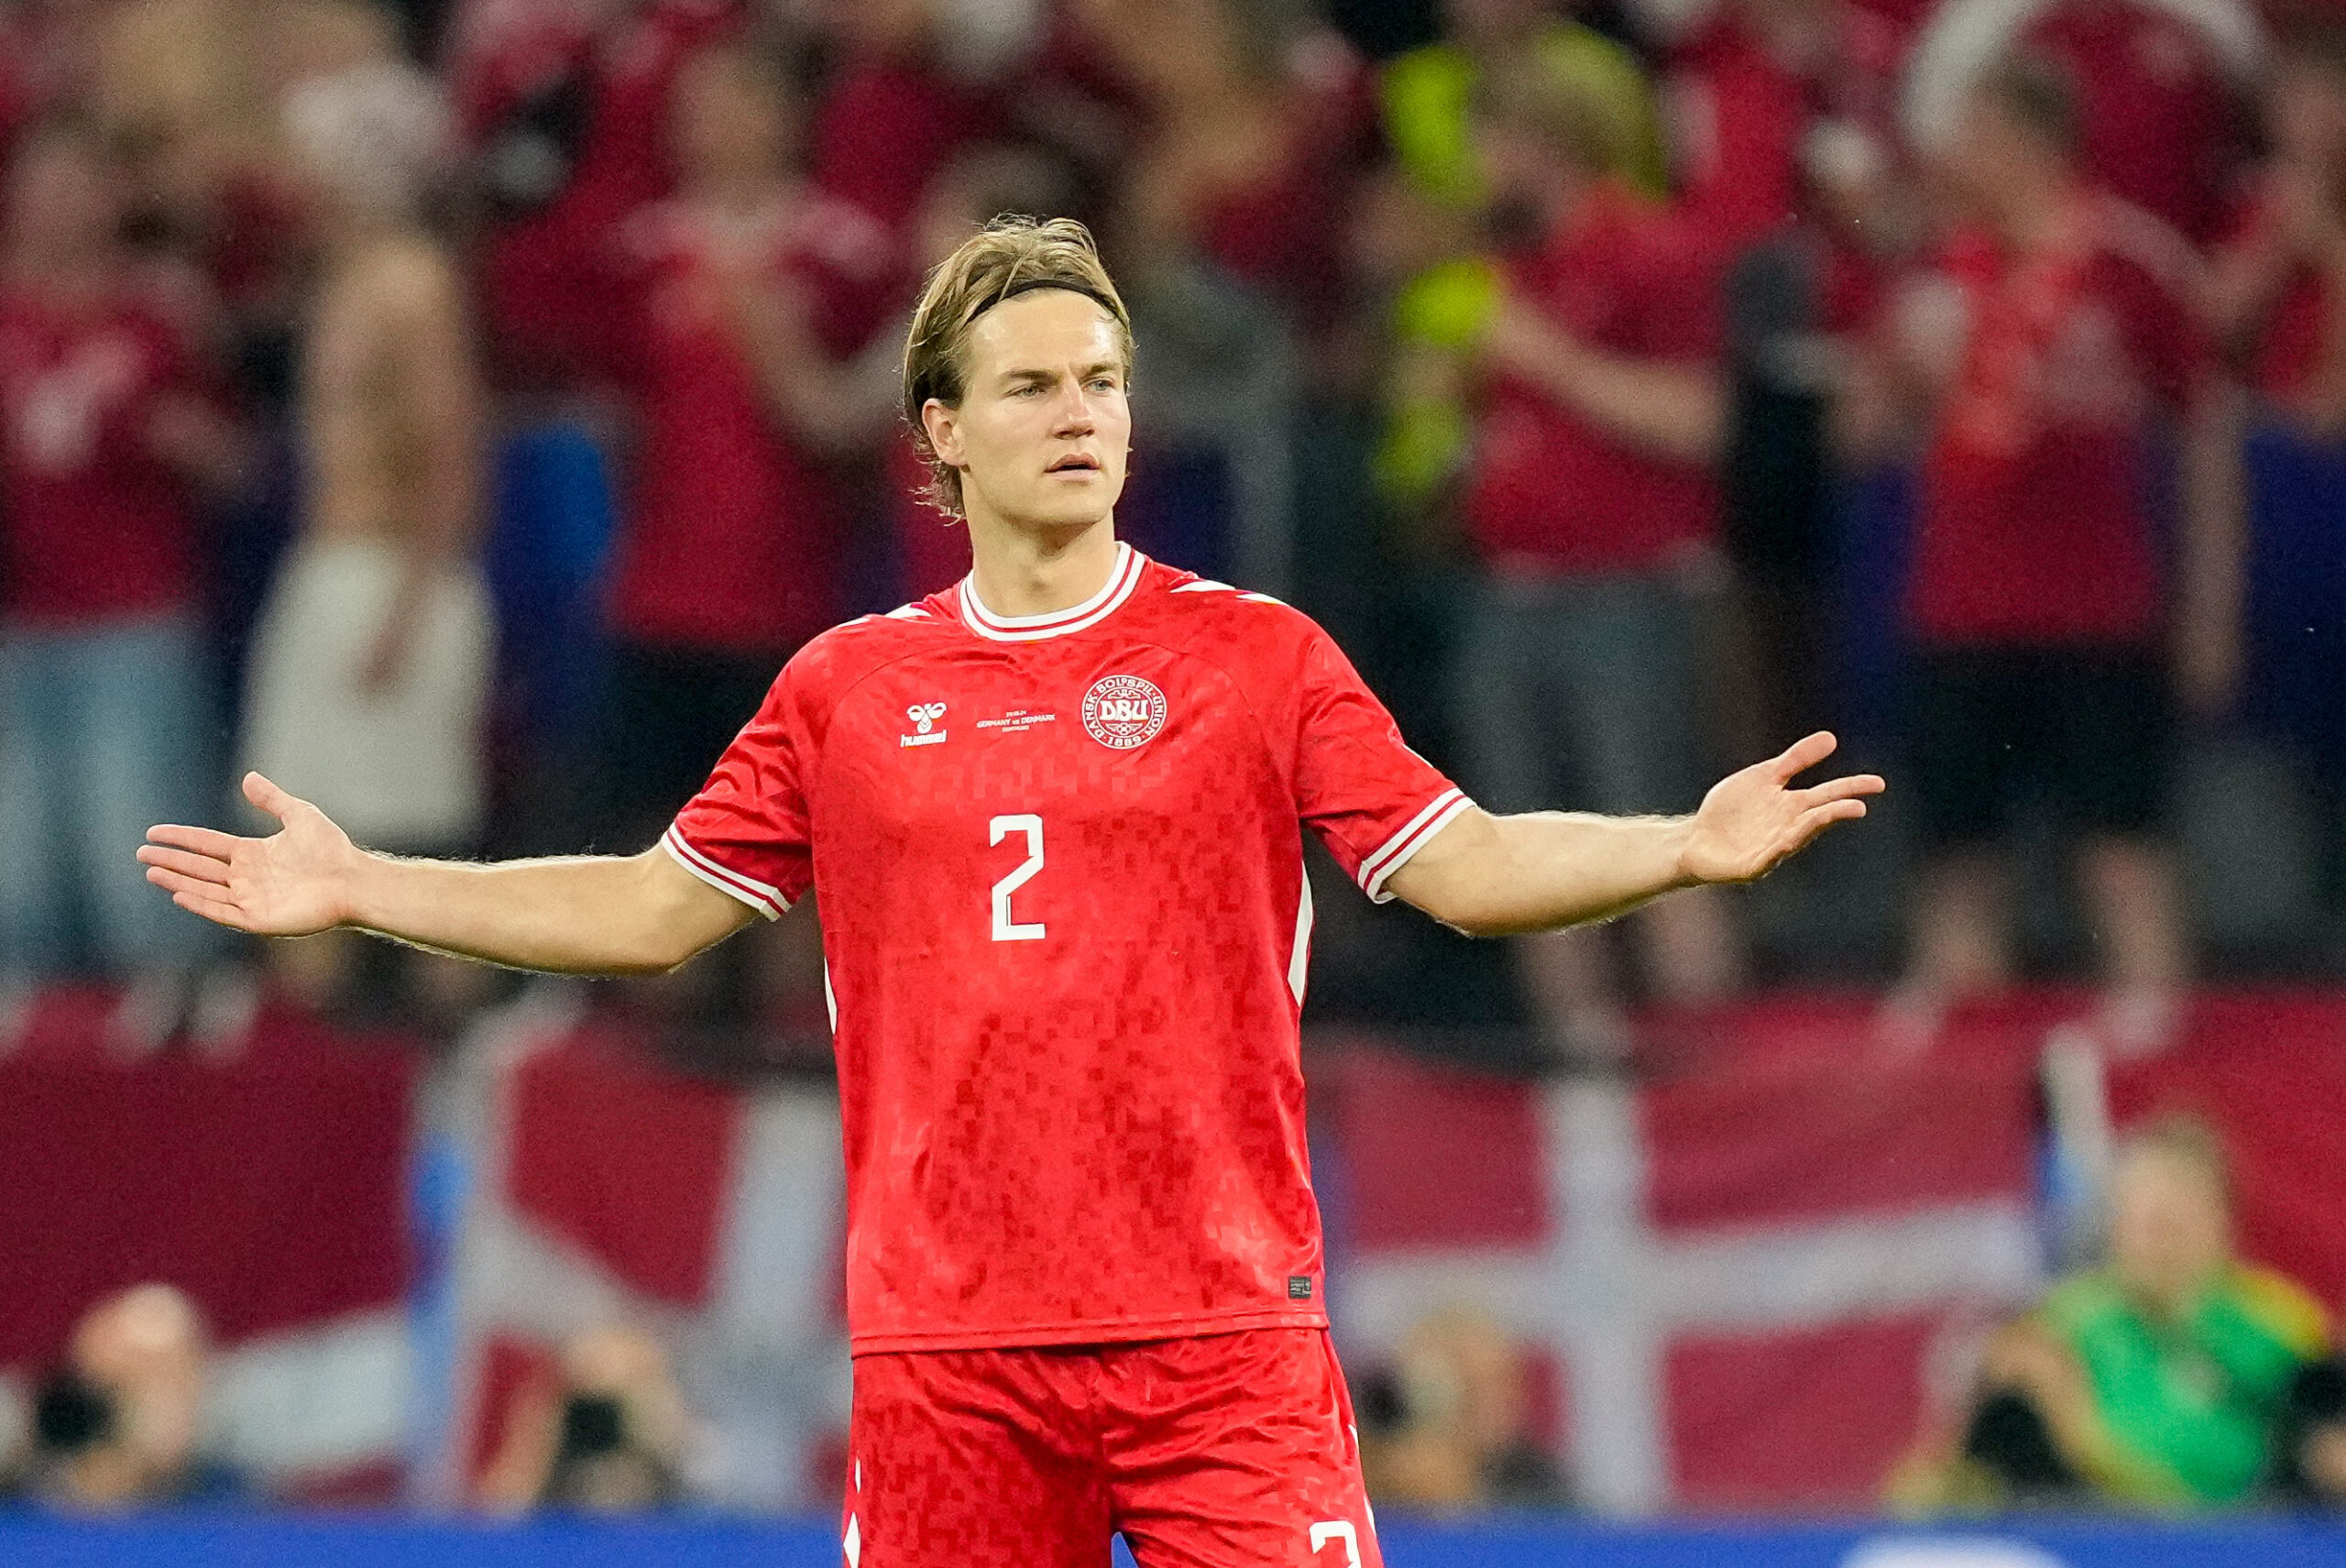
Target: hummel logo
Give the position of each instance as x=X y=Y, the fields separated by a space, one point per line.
x=924 y=716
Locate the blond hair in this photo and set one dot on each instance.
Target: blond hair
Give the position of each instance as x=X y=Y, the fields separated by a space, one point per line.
x=1013 y=254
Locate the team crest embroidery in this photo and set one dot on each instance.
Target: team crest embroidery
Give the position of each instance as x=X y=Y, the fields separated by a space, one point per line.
x=1123 y=711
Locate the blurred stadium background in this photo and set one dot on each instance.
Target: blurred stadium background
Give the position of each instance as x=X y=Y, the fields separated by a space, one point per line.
x=1630 y=385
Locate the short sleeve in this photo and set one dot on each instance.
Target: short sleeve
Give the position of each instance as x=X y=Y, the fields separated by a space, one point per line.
x=1372 y=800
x=746 y=832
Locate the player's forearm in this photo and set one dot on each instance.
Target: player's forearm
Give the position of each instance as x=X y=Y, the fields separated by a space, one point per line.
x=1502 y=875
x=596 y=914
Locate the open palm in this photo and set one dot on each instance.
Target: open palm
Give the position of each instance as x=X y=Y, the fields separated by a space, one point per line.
x=1752 y=820
x=288 y=884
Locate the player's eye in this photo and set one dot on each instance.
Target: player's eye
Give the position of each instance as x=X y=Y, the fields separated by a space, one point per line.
x=1104 y=383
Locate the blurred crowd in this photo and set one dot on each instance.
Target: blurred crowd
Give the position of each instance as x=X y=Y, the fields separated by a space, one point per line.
x=459 y=410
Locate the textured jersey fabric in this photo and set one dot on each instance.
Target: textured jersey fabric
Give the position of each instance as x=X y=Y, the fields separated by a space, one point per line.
x=1066 y=922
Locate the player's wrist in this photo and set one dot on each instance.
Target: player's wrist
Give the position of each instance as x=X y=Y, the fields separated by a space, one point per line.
x=353 y=890
x=1679 y=851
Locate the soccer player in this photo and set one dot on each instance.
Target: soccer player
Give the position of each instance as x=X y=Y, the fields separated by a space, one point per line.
x=1053 y=818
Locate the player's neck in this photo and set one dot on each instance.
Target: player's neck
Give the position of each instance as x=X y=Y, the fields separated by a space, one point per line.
x=1020 y=572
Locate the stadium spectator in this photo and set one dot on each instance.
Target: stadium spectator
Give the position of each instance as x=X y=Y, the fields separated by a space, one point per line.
x=750 y=292
x=1447 y=1426
x=608 y=1436
x=2160 y=1378
x=892 y=114
x=2060 y=350
x=112 y=441
x=2161 y=90
x=1749 y=94
x=119 y=1426
x=1421 y=229
x=2310 y=1471
x=570 y=107
x=2279 y=301
x=368 y=679
x=2278 y=285
x=1426 y=93
x=1593 y=510
x=1783 y=135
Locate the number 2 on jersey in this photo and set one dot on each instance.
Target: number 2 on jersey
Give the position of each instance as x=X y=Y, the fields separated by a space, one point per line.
x=1006 y=929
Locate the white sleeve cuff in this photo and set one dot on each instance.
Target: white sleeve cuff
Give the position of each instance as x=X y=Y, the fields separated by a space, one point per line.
x=1437 y=815
x=765 y=899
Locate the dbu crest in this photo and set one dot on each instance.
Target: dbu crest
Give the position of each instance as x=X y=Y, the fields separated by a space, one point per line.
x=1123 y=711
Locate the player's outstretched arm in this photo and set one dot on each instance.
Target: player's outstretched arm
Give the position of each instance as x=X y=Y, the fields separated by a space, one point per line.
x=589 y=914
x=1493 y=876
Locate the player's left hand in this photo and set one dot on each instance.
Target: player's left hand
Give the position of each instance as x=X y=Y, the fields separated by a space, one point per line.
x=1752 y=821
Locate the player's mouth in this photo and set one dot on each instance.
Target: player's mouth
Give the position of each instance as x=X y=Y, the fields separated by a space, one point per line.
x=1074 y=462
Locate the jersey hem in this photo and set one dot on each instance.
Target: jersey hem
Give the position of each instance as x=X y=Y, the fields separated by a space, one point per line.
x=765 y=900
x=1098 y=1331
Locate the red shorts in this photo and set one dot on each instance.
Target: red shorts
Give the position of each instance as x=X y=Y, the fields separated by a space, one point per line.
x=1226 y=1451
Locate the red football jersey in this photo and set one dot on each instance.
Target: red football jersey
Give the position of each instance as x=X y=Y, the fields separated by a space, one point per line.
x=93 y=525
x=1549 y=493
x=2038 y=520
x=1065 y=923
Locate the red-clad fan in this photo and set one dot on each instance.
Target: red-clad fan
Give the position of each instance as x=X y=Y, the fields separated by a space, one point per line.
x=891 y=116
x=576 y=131
x=2161 y=89
x=1594 y=515
x=109 y=436
x=2162 y=117
x=2279 y=291
x=1749 y=92
x=2279 y=285
x=1054 y=821
x=747 y=291
x=2039 y=595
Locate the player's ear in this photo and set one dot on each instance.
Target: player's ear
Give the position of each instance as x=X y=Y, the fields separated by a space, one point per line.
x=943 y=424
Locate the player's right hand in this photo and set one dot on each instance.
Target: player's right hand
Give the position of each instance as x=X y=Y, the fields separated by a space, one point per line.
x=292 y=883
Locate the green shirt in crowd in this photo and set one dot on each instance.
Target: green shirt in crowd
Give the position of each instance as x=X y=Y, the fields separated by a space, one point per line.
x=2187 y=1407
x=1425 y=96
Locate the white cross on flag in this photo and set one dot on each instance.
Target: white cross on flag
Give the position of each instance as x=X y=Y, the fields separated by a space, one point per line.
x=613 y=1190
x=1742 y=1279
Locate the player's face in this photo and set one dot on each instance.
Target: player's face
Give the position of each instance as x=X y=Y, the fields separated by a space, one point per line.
x=1042 y=429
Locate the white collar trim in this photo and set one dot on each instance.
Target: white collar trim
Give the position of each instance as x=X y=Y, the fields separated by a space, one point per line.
x=1121 y=580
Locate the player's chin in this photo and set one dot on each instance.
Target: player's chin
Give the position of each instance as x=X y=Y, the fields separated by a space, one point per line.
x=1075 y=498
